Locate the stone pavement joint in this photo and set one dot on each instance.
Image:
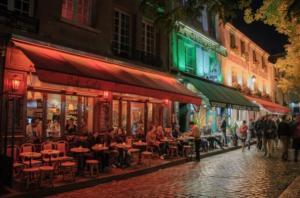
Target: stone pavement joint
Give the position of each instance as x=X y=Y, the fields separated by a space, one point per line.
x=293 y=190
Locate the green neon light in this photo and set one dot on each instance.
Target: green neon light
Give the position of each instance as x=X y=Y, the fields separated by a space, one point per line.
x=200 y=38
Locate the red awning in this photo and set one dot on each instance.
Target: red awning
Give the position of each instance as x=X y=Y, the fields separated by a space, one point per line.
x=270 y=106
x=58 y=66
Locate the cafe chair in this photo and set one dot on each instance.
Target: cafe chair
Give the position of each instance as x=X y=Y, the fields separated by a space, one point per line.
x=27 y=147
x=46 y=175
x=62 y=146
x=17 y=167
x=188 y=151
x=68 y=170
x=47 y=146
x=146 y=157
x=173 y=150
x=92 y=167
x=31 y=176
x=135 y=156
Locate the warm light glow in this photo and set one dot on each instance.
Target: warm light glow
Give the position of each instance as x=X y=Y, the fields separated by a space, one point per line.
x=166 y=102
x=15 y=84
x=106 y=94
x=253 y=78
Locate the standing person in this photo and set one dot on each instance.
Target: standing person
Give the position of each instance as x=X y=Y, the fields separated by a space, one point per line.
x=223 y=128
x=296 y=138
x=251 y=133
x=284 y=134
x=195 y=132
x=270 y=130
x=259 y=133
x=243 y=131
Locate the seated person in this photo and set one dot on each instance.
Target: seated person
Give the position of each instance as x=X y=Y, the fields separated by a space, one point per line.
x=34 y=129
x=160 y=133
x=120 y=137
x=168 y=134
x=176 y=132
x=71 y=128
x=151 y=139
x=140 y=135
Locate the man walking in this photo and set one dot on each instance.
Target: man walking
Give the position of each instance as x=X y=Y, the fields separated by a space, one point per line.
x=196 y=134
x=284 y=134
x=269 y=130
x=223 y=128
x=258 y=127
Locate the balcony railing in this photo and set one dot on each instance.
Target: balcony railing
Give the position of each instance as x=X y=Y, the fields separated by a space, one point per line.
x=137 y=55
x=17 y=21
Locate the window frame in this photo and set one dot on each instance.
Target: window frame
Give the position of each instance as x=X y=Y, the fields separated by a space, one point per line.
x=75 y=12
x=144 y=45
x=11 y=6
x=117 y=47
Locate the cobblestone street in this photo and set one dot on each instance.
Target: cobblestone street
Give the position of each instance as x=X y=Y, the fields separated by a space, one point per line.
x=233 y=174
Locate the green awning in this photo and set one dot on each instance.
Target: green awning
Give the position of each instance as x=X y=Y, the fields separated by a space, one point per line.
x=220 y=95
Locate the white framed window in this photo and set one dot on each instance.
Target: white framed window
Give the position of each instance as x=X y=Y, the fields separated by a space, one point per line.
x=148 y=38
x=22 y=7
x=190 y=62
x=121 y=37
x=77 y=11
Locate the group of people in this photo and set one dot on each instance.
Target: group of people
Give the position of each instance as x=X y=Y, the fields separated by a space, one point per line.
x=270 y=129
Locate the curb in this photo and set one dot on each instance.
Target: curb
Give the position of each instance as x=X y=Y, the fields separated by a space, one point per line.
x=93 y=182
x=293 y=190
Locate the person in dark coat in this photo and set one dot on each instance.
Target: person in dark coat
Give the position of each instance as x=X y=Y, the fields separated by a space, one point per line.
x=284 y=134
x=223 y=128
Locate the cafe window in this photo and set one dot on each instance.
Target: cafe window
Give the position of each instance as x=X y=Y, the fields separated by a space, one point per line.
x=78 y=11
x=115 y=113
x=22 y=7
x=85 y=114
x=53 y=115
x=124 y=115
x=71 y=116
x=34 y=114
x=150 y=115
x=137 y=115
x=148 y=38
x=121 y=37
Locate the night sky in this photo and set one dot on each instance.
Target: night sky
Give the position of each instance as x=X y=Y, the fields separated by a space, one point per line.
x=265 y=36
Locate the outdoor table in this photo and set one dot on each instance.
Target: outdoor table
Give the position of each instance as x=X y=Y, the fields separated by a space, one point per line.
x=50 y=153
x=79 y=151
x=99 y=149
x=30 y=155
x=123 y=148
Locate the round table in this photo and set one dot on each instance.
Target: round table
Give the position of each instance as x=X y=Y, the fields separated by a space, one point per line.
x=50 y=153
x=79 y=151
x=123 y=148
x=30 y=155
x=99 y=153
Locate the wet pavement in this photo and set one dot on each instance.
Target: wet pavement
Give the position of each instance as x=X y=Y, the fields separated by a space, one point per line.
x=233 y=174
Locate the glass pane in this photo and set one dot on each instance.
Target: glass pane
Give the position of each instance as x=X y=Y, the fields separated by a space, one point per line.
x=116 y=113
x=137 y=117
x=86 y=123
x=71 y=114
x=150 y=115
x=124 y=115
x=34 y=114
x=53 y=115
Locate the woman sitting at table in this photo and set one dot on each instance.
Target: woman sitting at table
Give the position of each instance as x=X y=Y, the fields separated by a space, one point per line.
x=120 y=137
x=176 y=131
x=160 y=135
x=140 y=135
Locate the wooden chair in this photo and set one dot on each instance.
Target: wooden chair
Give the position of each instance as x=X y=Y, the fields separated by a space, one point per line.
x=27 y=147
x=47 y=146
x=31 y=176
x=92 y=167
x=68 y=170
x=62 y=146
x=135 y=155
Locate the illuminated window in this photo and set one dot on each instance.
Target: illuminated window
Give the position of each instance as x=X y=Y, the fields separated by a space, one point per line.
x=71 y=119
x=190 y=59
x=124 y=115
x=34 y=114
x=78 y=11
x=23 y=7
x=148 y=38
x=115 y=113
x=53 y=115
x=121 y=37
